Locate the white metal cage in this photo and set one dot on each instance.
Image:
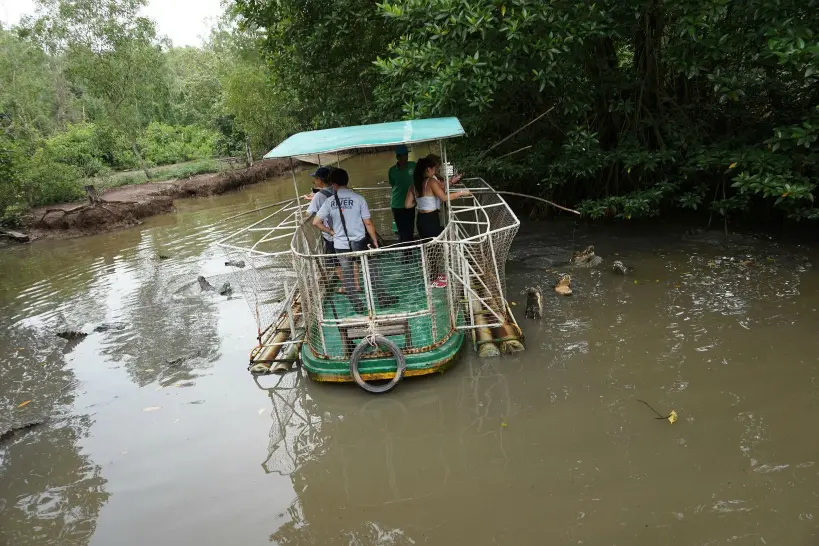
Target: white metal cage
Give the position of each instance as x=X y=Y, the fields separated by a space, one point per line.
x=416 y=294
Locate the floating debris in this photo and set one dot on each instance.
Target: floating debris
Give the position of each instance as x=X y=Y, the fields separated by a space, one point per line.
x=672 y=417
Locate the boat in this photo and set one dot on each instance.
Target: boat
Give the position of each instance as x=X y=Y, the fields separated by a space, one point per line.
x=442 y=291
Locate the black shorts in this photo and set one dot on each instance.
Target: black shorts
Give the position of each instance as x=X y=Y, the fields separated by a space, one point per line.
x=358 y=246
x=330 y=261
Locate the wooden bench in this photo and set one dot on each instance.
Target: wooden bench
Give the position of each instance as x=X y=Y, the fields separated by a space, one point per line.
x=399 y=327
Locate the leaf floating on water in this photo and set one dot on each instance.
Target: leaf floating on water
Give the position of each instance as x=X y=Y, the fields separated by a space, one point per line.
x=152 y=408
x=513 y=303
x=635 y=281
x=504 y=425
x=673 y=417
x=23 y=404
x=261 y=411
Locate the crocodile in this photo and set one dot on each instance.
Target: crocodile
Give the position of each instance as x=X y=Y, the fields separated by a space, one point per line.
x=534 y=303
x=585 y=258
x=71 y=335
x=74 y=335
x=620 y=268
x=564 y=285
x=204 y=284
x=224 y=290
x=13 y=431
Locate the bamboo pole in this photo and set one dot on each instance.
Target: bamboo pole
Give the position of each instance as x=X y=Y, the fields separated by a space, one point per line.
x=483 y=335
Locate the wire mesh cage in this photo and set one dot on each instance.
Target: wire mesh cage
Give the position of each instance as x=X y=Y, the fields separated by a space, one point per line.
x=261 y=262
x=417 y=294
x=398 y=291
x=477 y=237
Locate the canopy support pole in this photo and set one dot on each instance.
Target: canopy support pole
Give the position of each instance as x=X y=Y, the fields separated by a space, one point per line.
x=295 y=186
x=442 y=146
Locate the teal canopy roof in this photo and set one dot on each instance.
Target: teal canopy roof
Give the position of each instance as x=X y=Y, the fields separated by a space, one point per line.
x=368 y=136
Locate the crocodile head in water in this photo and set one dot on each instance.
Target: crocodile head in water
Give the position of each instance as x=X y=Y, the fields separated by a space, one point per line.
x=620 y=268
x=585 y=258
x=564 y=285
x=204 y=284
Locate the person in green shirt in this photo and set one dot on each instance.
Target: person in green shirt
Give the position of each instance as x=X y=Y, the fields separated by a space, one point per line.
x=400 y=178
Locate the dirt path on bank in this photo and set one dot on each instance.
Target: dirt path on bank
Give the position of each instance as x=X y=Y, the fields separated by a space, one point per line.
x=126 y=206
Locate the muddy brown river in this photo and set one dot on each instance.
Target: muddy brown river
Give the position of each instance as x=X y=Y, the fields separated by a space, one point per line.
x=548 y=447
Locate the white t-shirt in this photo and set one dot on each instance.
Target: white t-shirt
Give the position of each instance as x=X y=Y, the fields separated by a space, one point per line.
x=355 y=210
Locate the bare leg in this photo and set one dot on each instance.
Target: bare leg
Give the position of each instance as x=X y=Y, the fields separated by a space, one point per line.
x=347 y=268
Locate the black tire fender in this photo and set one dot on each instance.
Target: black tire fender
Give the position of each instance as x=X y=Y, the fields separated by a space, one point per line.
x=400 y=361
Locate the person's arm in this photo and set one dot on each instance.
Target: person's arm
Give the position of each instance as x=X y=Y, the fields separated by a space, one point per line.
x=438 y=191
x=370 y=227
x=409 y=200
x=319 y=223
x=321 y=216
x=312 y=208
x=368 y=223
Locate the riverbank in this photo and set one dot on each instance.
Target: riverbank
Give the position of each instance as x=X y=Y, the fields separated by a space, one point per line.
x=126 y=206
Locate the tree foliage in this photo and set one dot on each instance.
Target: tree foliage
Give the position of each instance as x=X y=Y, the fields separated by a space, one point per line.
x=321 y=55
x=703 y=105
x=87 y=87
x=707 y=105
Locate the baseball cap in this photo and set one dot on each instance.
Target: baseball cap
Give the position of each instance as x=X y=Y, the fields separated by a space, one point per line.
x=401 y=150
x=321 y=172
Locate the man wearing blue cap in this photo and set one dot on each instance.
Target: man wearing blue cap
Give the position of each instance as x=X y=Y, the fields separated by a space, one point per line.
x=400 y=178
x=324 y=190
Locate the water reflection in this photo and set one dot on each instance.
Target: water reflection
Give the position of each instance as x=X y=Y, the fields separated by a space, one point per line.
x=55 y=489
x=163 y=340
x=49 y=487
x=348 y=455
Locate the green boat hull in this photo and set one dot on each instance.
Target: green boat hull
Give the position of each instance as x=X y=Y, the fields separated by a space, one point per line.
x=435 y=359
